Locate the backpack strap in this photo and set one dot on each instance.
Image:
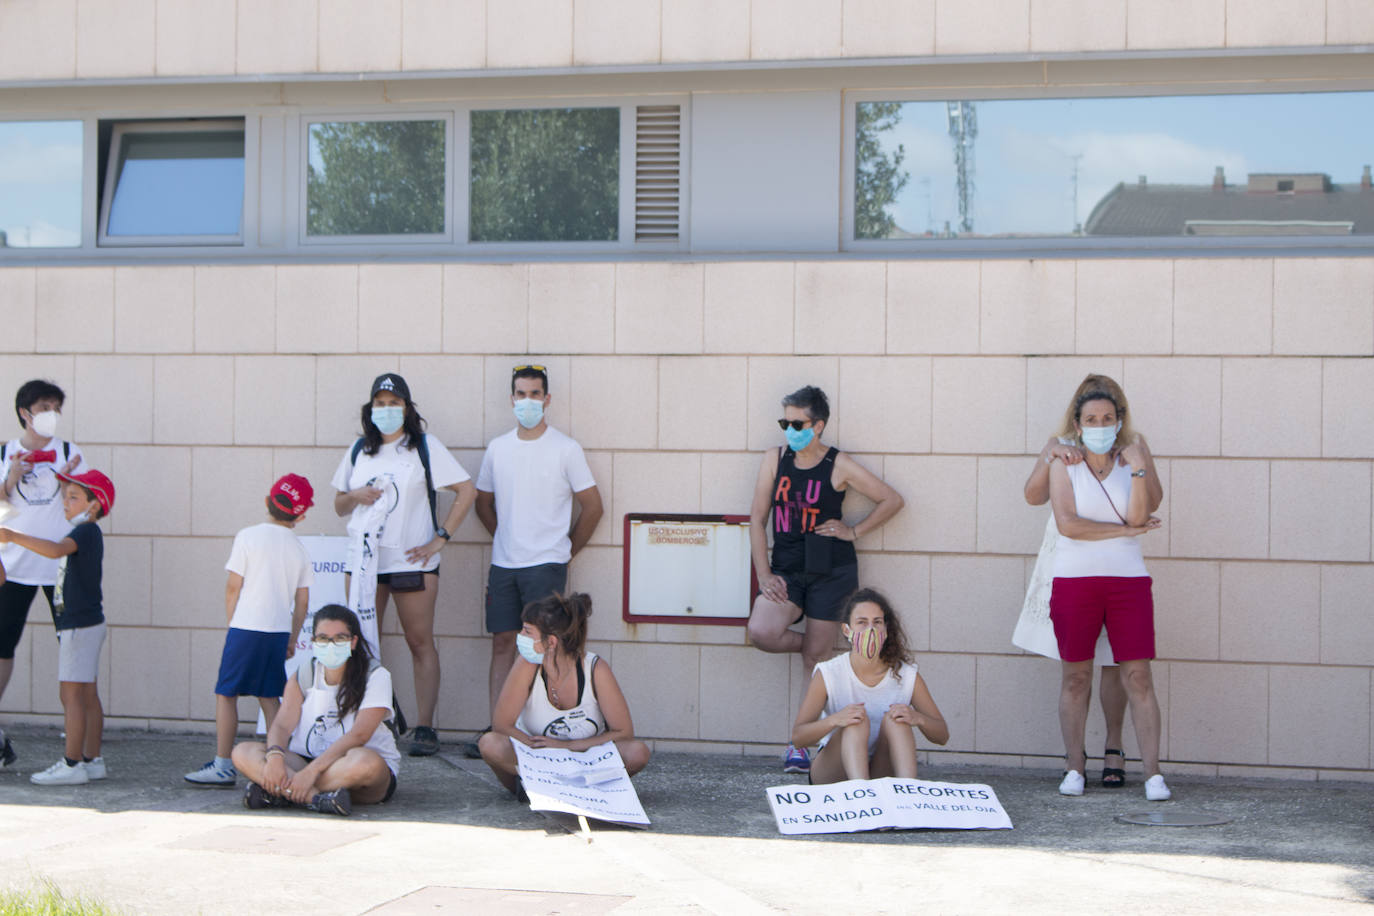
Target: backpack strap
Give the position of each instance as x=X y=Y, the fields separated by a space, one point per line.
x=353 y=455
x=422 y=446
x=305 y=675
x=66 y=451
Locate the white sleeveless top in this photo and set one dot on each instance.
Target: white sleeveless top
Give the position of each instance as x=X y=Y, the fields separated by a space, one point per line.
x=843 y=687
x=1114 y=556
x=541 y=717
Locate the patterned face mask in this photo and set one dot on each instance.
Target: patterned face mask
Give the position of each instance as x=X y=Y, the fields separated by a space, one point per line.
x=868 y=641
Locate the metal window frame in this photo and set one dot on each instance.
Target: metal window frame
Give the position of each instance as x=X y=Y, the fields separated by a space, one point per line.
x=124 y=128
x=1071 y=246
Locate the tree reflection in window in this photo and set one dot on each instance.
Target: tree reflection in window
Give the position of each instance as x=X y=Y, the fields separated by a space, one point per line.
x=545 y=175
x=376 y=178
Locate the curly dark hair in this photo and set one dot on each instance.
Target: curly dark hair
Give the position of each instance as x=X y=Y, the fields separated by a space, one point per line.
x=894 y=651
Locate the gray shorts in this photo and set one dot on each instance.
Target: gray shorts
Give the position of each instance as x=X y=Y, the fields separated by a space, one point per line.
x=509 y=590
x=78 y=653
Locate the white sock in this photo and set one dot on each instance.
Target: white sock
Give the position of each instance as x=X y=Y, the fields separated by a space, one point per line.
x=222 y=763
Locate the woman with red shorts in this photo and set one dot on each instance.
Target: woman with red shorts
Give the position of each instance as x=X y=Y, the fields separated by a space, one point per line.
x=1101 y=506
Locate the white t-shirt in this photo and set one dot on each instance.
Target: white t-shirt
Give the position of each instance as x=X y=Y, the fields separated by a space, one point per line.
x=1111 y=557
x=273 y=563
x=534 y=481
x=843 y=687
x=320 y=725
x=37 y=510
x=396 y=468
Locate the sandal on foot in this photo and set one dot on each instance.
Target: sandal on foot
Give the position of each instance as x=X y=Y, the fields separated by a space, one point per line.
x=1113 y=777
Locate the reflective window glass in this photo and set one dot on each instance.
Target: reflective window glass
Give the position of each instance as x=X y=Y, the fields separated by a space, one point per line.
x=40 y=184
x=376 y=178
x=545 y=175
x=1234 y=165
x=177 y=183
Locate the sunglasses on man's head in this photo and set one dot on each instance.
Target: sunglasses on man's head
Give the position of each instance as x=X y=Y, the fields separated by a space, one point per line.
x=519 y=369
x=798 y=425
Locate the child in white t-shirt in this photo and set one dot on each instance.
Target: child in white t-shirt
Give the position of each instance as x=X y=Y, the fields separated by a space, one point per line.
x=265 y=599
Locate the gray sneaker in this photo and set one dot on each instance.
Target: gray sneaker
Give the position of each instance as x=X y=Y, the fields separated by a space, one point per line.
x=424 y=741
x=7 y=754
x=336 y=802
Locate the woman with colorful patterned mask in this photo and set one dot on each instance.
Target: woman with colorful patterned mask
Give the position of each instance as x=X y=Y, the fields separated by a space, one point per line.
x=861 y=707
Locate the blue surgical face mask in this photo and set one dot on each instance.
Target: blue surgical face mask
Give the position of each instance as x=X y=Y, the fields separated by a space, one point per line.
x=1099 y=439
x=798 y=439
x=525 y=646
x=528 y=412
x=331 y=655
x=388 y=419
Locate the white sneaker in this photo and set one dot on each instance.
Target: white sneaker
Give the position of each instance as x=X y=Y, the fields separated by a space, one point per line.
x=59 y=774
x=95 y=768
x=1072 y=783
x=1156 y=790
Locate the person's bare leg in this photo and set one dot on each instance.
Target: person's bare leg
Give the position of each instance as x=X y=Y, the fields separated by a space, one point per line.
x=827 y=766
x=1111 y=695
x=768 y=626
x=6 y=669
x=270 y=707
x=1075 y=692
x=853 y=741
x=502 y=660
x=227 y=724
x=95 y=721
x=498 y=754
x=818 y=644
x=895 y=752
x=634 y=754
x=361 y=771
x=73 y=696
x=1140 y=689
x=415 y=610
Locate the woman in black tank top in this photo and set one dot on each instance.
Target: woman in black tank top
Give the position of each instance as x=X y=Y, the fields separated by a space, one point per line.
x=798 y=498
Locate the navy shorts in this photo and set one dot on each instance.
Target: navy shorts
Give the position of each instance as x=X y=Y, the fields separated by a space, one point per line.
x=509 y=590
x=821 y=595
x=253 y=664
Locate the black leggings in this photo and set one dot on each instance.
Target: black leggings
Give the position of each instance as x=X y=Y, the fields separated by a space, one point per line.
x=15 y=600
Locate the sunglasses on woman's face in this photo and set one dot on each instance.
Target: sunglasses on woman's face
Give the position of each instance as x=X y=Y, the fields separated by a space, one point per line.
x=798 y=425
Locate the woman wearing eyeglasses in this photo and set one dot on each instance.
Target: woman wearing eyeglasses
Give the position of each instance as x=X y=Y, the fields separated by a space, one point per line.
x=813 y=566
x=331 y=745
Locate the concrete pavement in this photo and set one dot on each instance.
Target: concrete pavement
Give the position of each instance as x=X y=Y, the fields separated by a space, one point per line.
x=453 y=841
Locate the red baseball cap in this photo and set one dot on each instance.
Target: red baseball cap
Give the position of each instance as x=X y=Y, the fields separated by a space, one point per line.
x=292 y=493
x=101 y=487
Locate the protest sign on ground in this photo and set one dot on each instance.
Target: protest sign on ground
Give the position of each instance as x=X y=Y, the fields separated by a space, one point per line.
x=870 y=804
x=592 y=783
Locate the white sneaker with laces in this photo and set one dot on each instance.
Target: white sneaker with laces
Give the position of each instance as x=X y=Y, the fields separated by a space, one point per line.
x=1156 y=790
x=1072 y=783
x=95 y=768
x=59 y=774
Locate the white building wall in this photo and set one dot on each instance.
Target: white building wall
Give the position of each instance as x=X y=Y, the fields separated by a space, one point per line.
x=194 y=384
x=670 y=373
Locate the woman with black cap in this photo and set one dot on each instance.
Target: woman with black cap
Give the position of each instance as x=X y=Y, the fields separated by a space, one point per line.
x=386 y=484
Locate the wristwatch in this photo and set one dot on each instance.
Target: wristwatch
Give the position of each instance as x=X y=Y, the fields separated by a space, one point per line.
x=1139 y=473
x=442 y=533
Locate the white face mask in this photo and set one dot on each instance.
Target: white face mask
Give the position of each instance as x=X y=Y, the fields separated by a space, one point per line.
x=45 y=423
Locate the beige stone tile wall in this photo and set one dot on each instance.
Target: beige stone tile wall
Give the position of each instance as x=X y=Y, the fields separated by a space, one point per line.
x=94 y=39
x=194 y=386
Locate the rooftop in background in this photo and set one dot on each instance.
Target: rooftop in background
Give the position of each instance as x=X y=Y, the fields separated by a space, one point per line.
x=1267 y=204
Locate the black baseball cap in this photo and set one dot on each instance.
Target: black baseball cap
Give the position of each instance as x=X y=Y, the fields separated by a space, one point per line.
x=390 y=381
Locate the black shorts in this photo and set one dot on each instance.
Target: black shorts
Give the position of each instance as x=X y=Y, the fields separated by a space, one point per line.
x=390 y=790
x=509 y=590
x=821 y=595
x=15 y=600
x=385 y=578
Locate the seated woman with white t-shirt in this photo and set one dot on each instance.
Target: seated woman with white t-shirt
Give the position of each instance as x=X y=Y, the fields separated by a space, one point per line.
x=330 y=745
x=558 y=694
x=396 y=541
x=861 y=707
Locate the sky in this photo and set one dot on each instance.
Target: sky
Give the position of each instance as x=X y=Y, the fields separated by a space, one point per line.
x=40 y=183
x=1024 y=152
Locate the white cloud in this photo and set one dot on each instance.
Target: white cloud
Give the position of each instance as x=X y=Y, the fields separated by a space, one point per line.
x=41 y=235
x=47 y=163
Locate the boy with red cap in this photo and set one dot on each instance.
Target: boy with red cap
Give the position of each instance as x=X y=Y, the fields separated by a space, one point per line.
x=79 y=616
x=265 y=599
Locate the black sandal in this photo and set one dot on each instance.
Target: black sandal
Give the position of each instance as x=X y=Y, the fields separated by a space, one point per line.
x=1113 y=777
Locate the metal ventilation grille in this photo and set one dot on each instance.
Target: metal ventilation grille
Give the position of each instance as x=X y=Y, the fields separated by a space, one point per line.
x=658 y=172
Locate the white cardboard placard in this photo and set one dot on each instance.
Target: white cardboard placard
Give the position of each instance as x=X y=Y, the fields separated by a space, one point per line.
x=869 y=804
x=591 y=783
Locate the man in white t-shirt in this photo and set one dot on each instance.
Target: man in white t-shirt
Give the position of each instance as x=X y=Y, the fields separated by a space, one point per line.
x=31 y=464
x=529 y=481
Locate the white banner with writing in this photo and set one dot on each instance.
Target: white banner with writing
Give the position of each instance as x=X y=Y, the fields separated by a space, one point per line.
x=868 y=804
x=592 y=783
